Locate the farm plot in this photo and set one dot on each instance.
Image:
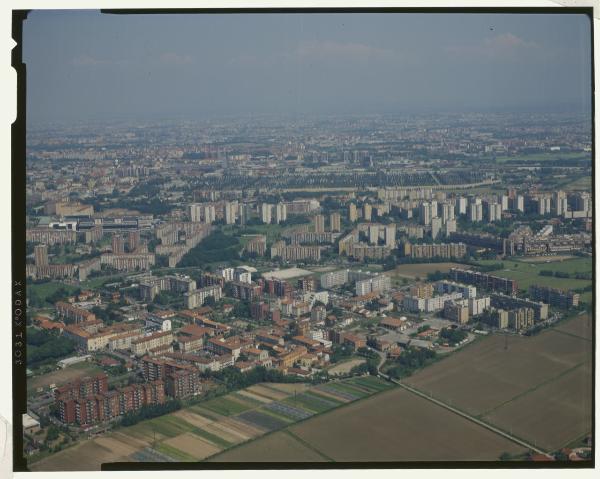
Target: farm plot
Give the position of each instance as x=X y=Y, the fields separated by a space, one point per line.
x=262 y=420
x=499 y=374
x=150 y=455
x=277 y=447
x=289 y=388
x=370 y=383
x=287 y=410
x=552 y=415
x=254 y=397
x=87 y=456
x=581 y=326
x=226 y=405
x=209 y=427
x=191 y=445
x=343 y=387
x=426 y=432
x=267 y=392
x=312 y=402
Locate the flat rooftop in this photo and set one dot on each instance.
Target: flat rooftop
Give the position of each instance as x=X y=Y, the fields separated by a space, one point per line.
x=286 y=273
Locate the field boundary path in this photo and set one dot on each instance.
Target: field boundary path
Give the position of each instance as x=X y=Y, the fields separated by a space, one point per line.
x=463 y=414
x=307 y=444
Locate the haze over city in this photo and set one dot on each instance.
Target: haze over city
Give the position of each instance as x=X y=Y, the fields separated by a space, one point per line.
x=307 y=238
x=87 y=65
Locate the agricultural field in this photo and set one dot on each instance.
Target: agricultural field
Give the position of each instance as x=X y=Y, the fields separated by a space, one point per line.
x=581 y=326
x=527 y=273
x=426 y=432
x=63 y=376
x=277 y=447
x=554 y=414
x=209 y=427
x=539 y=387
x=420 y=270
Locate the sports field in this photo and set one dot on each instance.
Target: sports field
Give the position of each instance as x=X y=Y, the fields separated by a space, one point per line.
x=63 y=376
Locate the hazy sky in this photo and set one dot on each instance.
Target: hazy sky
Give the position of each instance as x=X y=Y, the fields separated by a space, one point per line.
x=83 y=64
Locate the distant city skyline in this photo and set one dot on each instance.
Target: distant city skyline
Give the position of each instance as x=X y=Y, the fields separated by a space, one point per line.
x=84 y=65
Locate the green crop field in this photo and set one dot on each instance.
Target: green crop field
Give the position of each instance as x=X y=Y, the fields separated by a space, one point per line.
x=308 y=403
x=369 y=382
x=173 y=452
x=219 y=441
x=225 y=406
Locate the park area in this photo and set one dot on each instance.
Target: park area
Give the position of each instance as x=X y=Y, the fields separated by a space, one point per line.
x=421 y=270
x=206 y=428
x=527 y=273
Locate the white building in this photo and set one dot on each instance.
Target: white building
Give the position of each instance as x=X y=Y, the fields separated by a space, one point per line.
x=266 y=210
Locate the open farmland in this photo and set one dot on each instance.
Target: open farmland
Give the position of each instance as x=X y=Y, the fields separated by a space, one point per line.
x=539 y=389
x=400 y=425
x=499 y=374
x=580 y=326
x=535 y=381
x=209 y=427
x=277 y=447
x=552 y=415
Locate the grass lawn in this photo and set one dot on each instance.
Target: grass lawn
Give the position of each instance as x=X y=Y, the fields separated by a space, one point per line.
x=272 y=232
x=527 y=274
x=43 y=290
x=100 y=281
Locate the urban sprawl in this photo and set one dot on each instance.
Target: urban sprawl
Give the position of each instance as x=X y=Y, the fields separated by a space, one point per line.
x=170 y=263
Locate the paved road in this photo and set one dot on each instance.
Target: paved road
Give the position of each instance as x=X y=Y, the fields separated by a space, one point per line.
x=466 y=416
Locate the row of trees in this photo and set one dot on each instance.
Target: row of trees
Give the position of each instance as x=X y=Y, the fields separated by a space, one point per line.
x=453 y=335
x=410 y=360
x=44 y=346
x=149 y=412
x=233 y=379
